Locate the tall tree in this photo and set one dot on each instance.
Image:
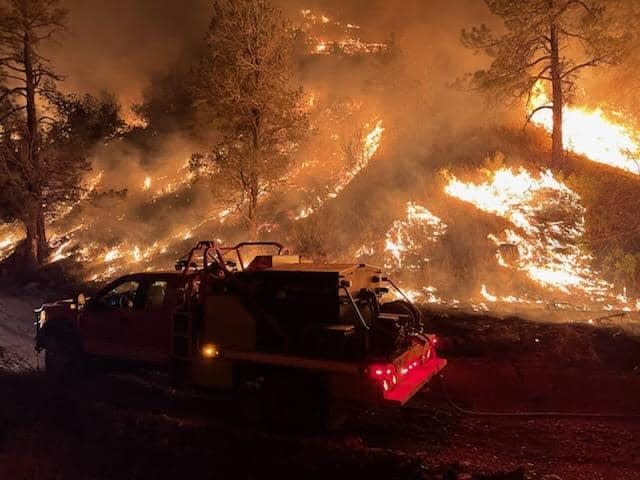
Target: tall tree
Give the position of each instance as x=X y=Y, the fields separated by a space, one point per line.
x=45 y=136
x=246 y=84
x=25 y=74
x=548 y=41
x=75 y=125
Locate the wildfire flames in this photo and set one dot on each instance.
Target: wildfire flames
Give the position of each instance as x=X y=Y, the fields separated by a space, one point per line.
x=71 y=234
x=406 y=247
x=547 y=221
x=542 y=219
x=407 y=237
x=10 y=235
x=321 y=28
x=599 y=136
x=370 y=147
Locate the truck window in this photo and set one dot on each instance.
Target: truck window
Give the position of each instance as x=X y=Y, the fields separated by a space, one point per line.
x=123 y=295
x=156 y=295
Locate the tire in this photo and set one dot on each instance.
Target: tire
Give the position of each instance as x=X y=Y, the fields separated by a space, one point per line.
x=62 y=360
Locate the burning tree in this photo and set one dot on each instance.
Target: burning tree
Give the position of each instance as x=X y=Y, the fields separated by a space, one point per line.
x=44 y=136
x=246 y=86
x=546 y=42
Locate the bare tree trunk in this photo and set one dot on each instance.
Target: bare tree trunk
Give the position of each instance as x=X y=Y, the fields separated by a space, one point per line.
x=252 y=229
x=43 y=245
x=255 y=169
x=32 y=250
x=251 y=218
x=31 y=245
x=37 y=249
x=557 y=149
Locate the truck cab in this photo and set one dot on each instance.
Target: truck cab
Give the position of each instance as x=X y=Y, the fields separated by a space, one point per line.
x=129 y=319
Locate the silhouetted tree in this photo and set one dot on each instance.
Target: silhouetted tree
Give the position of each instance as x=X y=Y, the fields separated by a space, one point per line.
x=45 y=136
x=74 y=126
x=547 y=41
x=25 y=25
x=246 y=84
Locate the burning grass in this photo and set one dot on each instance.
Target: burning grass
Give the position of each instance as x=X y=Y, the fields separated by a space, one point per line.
x=547 y=225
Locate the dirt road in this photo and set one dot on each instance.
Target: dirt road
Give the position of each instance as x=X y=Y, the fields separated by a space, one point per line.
x=16 y=332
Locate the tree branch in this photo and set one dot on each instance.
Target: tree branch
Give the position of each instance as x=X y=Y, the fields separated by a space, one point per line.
x=591 y=63
x=534 y=111
x=14 y=110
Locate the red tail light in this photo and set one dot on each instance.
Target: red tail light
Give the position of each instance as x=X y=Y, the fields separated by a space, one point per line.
x=385 y=374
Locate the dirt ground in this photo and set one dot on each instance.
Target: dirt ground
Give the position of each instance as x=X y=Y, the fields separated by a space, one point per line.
x=519 y=399
x=16 y=332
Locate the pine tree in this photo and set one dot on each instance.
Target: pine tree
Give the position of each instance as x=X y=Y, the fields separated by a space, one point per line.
x=246 y=85
x=549 y=41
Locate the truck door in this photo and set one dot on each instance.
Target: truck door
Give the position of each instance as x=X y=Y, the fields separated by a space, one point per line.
x=106 y=322
x=151 y=324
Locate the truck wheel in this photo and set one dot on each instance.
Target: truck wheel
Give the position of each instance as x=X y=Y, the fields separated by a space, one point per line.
x=61 y=359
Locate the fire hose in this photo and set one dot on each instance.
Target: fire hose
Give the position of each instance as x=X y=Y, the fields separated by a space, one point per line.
x=550 y=414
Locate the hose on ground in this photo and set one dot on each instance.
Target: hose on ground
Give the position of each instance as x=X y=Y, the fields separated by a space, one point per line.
x=551 y=414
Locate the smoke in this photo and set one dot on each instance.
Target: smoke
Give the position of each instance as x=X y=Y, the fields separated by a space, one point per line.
x=424 y=124
x=120 y=45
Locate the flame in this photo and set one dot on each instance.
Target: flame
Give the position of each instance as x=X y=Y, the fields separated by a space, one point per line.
x=370 y=147
x=405 y=247
x=112 y=255
x=321 y=47
x=425 y=294
x=147 y=183
x=602 y=137
x=346 y=44
x=485 y=293
x=408 y=237
x=10 y=235
x=547 y=242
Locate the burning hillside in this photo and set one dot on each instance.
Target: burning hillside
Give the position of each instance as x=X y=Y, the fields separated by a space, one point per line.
x=412 y=223
x=149 y=198
x=547 y=220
